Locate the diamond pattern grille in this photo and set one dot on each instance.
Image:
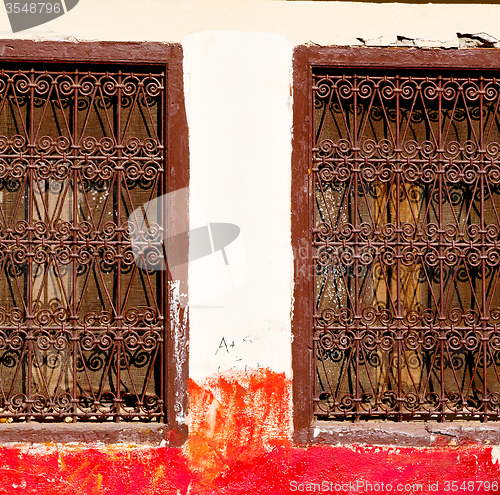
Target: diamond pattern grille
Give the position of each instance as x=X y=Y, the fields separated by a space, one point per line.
x=406 y=237
x=81 y=326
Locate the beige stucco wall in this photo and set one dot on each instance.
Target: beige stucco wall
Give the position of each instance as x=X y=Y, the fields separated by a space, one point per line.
x=301 y=21
x=238 y=93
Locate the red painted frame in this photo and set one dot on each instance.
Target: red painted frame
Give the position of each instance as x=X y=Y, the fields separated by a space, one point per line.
x=305 y=58
x=170 y=57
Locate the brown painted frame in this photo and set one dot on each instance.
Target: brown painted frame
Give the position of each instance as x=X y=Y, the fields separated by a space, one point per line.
x=176 y=381
x=306 y=430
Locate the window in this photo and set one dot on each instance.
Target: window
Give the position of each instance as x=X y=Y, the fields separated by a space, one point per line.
x=396 y=236
x=89 y=133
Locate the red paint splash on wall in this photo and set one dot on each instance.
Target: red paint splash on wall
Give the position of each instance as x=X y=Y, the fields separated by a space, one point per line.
x=235 y=417
x=76 y=470
x=239 y=445
x=367 y=470
x=283 y=470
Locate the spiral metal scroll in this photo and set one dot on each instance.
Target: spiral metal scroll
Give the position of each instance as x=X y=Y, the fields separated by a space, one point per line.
x=81 y=326
x=406 y=246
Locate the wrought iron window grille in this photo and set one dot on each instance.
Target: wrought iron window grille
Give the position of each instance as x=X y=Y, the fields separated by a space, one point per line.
x=84 y=141
x=397 y=247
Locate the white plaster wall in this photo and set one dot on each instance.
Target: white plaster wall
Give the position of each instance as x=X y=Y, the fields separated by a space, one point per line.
x=301 y=21
x=237 y=74
x=239 y=115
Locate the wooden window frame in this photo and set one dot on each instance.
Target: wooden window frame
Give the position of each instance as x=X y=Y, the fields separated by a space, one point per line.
x=306 y=428
x=168 y=57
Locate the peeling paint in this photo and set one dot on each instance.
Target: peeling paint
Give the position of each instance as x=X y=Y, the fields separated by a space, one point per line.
x=236 y=416
x=178 y=324
x=463 y=40
x=495 y=455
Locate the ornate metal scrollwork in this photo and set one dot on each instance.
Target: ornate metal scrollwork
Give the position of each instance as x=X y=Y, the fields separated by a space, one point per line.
x=406 y=245
x=81 y=326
